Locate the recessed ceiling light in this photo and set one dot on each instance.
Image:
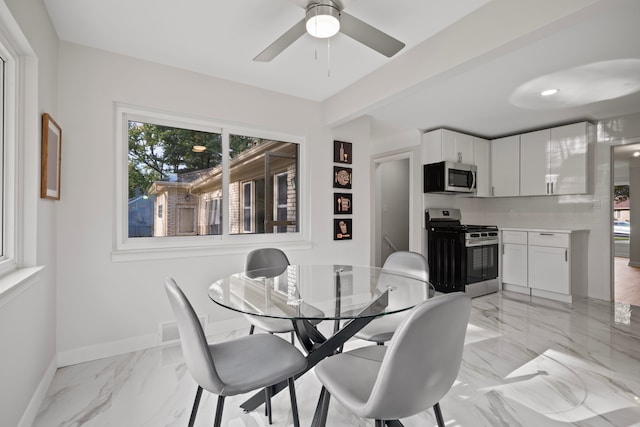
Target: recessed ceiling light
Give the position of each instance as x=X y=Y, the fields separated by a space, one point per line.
x=549 y=92
x=198 y=148
x=636 y=154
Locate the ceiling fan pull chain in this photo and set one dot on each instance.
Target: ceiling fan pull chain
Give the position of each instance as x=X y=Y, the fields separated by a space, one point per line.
x=328 y=57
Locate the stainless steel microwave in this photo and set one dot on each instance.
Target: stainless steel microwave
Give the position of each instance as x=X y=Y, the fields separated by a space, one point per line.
x=449 y=177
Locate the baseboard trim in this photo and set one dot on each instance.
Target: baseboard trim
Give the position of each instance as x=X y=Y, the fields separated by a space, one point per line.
x=108 y=349
x=142 y=342
x=29 y=415
x=634 y=264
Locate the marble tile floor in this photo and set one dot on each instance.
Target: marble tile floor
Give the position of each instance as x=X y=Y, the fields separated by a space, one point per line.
x=527 y=362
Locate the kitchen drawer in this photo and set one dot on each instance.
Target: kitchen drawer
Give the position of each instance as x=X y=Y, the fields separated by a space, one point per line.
x=517 y=237
x=554 y=240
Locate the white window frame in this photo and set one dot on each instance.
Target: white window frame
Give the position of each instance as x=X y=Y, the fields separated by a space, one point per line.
x=21 y=129
x=143 y=248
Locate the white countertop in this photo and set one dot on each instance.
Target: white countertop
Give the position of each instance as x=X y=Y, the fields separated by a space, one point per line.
x=542 y=230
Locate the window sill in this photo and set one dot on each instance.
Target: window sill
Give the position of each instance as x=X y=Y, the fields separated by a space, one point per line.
x=16 y=282
x=143 y=254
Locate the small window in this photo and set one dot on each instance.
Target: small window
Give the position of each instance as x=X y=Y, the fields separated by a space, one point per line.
x=247 y=207
x=281 y=191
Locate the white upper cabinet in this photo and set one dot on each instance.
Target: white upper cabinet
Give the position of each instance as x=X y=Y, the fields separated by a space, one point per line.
x=568 y=165
x=555 y=161
x=457 y=147
x=447 y=145
x=481 y=158
x=534 y=166
x=505 y=166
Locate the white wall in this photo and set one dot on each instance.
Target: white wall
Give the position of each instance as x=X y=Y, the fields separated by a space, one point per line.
x=27 y=322
x=108 y=307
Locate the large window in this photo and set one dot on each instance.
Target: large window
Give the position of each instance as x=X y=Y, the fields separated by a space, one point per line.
x=192 y=178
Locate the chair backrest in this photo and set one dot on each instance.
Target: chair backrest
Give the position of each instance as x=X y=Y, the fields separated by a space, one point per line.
x=423 y=358
x=266 y=262
x=192 y=340
x=407 y=262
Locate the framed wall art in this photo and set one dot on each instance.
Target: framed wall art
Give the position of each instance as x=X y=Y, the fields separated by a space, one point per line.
x=342 y=203
x=341 y=177
x=342 y=229
x=51 y=158
x=342 y=152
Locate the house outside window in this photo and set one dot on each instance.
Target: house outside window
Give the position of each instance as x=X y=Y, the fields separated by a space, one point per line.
x=172 y=163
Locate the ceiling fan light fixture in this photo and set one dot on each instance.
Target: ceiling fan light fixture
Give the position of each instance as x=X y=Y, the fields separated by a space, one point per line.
x=323 y=19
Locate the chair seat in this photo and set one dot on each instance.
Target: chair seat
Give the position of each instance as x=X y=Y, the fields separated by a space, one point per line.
x=350 y=376
x=381 y=329
x=255 y=361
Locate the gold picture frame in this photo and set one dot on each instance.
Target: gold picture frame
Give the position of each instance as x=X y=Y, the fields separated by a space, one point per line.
x=51 y=158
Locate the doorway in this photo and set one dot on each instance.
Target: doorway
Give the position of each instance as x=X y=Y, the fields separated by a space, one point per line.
x=626 y=201
x=392 y=206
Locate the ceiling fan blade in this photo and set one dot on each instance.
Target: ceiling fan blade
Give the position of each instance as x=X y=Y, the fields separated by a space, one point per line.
x=369 y=36
x=282 y=42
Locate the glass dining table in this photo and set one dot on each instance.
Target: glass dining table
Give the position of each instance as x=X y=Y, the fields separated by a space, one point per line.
x=350 y=296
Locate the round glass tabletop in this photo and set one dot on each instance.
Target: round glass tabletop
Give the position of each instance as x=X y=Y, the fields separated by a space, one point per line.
x=320 y=292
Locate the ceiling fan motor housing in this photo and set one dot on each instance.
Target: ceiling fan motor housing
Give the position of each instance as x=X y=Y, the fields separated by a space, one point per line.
x=322 y=19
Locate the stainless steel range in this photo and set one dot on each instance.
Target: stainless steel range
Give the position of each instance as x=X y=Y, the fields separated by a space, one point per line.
x=461 y=257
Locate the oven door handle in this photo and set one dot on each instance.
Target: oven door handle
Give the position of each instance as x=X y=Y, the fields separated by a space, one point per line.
x=473 y=244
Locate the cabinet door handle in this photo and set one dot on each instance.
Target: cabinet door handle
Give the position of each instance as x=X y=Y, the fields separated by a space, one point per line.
x=459 y=156
x=547 y=188
x=552 y=188
x=493 y=191
x=547 y=234
x=566 y=256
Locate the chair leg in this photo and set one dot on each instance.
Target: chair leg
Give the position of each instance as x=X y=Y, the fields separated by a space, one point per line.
x=436 y=409
x=320 y=416
x=294 y=403
x=251 y=329
x=196 y=403
x=379 y=423
x=218 y=420
x=292 y=339
x=267 y=403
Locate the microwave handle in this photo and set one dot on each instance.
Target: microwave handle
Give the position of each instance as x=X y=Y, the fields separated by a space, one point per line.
x=473 y=182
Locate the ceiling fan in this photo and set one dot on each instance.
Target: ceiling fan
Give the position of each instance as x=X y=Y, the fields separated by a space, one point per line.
x=325 y=18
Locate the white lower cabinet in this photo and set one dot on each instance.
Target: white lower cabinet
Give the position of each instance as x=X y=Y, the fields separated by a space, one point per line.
x=514 y=257
x=550 y=264
x=549 y=269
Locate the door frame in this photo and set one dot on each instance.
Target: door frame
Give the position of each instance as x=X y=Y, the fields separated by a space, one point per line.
x=415 y=201
x=612 y=252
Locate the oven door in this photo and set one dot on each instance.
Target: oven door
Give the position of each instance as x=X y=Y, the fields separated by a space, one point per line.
x=482 y=262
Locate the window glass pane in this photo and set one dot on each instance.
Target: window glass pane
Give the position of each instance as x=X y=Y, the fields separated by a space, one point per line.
x=175 y=173
x=262 y=162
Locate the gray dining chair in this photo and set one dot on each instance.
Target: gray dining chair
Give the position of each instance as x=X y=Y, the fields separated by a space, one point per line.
x=414 y=372
x=267 y=262
x=381 y=329
x=272 y=262
x=236 y=366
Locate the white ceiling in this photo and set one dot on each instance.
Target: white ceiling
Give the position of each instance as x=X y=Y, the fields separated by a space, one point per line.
x=594 y=54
